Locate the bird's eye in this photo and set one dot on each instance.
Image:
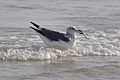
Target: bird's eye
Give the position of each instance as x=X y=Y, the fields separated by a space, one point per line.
x=73 y=28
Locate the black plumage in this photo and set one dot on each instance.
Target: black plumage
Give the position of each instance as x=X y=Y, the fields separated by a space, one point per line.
x=50 y=34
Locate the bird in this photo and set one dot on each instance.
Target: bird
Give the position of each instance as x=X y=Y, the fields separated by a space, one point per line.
x=54 y=39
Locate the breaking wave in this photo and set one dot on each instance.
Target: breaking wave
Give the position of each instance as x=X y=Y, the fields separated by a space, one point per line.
x=30 y=47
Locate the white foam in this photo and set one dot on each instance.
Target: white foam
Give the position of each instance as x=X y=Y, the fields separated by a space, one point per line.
x=89 y=49
x=32 y=48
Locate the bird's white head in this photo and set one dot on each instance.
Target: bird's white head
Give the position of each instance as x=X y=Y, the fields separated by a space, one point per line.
x=73 y=30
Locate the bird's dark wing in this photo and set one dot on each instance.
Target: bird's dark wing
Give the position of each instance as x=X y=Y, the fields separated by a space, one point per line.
x=52 y=35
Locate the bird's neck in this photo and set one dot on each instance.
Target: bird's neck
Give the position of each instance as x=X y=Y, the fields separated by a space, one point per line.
x=72 y=36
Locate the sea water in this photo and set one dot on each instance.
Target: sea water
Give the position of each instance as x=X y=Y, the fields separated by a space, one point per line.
x=23 y=55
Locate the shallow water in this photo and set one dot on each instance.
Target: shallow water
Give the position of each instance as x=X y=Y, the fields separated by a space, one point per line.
x=23 y=55
x=78 y=68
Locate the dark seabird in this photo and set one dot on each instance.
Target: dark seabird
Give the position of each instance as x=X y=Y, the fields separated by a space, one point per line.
x=56 y=39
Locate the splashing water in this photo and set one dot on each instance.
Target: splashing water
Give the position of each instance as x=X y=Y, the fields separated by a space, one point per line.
x=27 y=46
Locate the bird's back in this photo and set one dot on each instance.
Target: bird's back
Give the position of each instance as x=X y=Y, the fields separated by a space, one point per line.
x=53 y=35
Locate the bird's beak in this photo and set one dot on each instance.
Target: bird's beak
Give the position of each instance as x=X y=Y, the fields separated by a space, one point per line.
x=81 y=32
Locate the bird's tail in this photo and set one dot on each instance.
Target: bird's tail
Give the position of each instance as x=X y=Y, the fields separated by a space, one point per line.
x=36 y=25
